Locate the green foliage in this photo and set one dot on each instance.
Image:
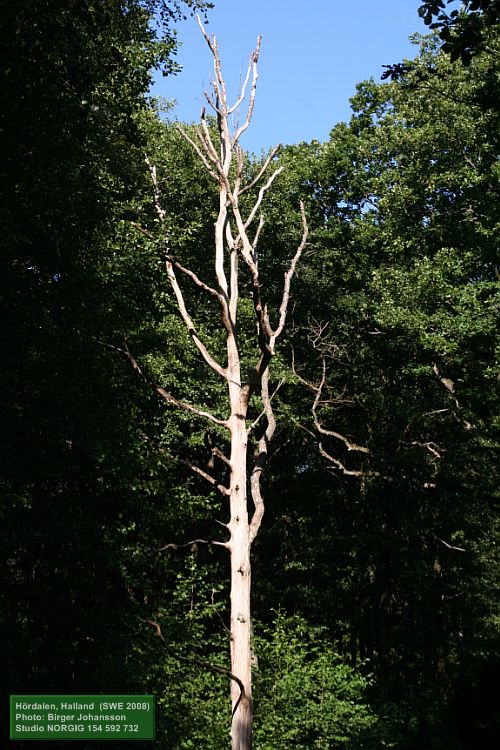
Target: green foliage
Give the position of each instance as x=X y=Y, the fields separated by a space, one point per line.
x=305 y=695
x=399 y=293
x=81 y=486
x=398 y=290
x=462 y=30
x=193 y=704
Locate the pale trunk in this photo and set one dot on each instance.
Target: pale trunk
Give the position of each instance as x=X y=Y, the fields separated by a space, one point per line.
x=239 y=546
x=239 y=246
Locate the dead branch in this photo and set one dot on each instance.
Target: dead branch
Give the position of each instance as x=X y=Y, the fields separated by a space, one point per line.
x=435 y=411
x=241 y=96
x=218 y=83
x=322 y=430
x=207 y=143
x=220 y=455
x=449 y=546
x=200 y=153
x=262 y=170
x=317 y=333
x=196 y=469
x=344 y=469
x=192 y=543
x=255 y=478
x=156 y=191
x=142 y=230
x=201 y=663
x=264 y=412
x=263 y=190
x=450 y=387
x=164 y=393
x=288 y=278
x=195 y=278
x=175 y=285
x=429 y=446
x=229 y=195
x=257 y=235
x=446 y=382
x=253 y=62
x=299 y=377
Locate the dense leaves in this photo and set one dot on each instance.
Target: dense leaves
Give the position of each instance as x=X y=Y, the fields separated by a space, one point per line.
x=376 y=570
x=461 y=30
x=405 y=265
x=76 y=481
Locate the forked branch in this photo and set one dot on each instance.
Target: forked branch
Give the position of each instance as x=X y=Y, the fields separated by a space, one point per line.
x=319 y=401
x=319 y=427
x=320 y=430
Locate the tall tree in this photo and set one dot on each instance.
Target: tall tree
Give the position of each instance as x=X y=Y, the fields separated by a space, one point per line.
x=406 y=409
x=235 y=246
x=76 y=76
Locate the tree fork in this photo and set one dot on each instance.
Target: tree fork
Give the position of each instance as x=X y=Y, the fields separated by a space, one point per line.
x=231 y=243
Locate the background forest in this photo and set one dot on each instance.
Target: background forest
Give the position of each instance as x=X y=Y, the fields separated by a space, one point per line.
x=375 y=573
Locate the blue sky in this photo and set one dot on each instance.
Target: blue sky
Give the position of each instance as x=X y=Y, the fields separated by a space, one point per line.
x=311 y=58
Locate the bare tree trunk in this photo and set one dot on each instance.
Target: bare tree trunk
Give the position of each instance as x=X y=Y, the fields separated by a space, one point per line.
x=239 y=549
x=239 y=545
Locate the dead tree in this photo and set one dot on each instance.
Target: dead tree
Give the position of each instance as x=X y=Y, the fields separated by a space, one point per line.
x=235 y=248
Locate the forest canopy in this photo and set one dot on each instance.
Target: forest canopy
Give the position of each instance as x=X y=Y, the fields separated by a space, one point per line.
x=365 y=330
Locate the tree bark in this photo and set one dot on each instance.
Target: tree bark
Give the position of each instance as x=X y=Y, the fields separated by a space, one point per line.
x=232 y=242
x=239 y=549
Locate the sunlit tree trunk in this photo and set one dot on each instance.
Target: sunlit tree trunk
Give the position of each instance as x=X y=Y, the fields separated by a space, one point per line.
x=239 y=548
x=235 y=252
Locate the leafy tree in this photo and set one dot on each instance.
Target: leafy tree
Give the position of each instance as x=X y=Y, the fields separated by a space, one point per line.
x=389 y=531
x=74 y=471
x=307 y=697
x=461 y=30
